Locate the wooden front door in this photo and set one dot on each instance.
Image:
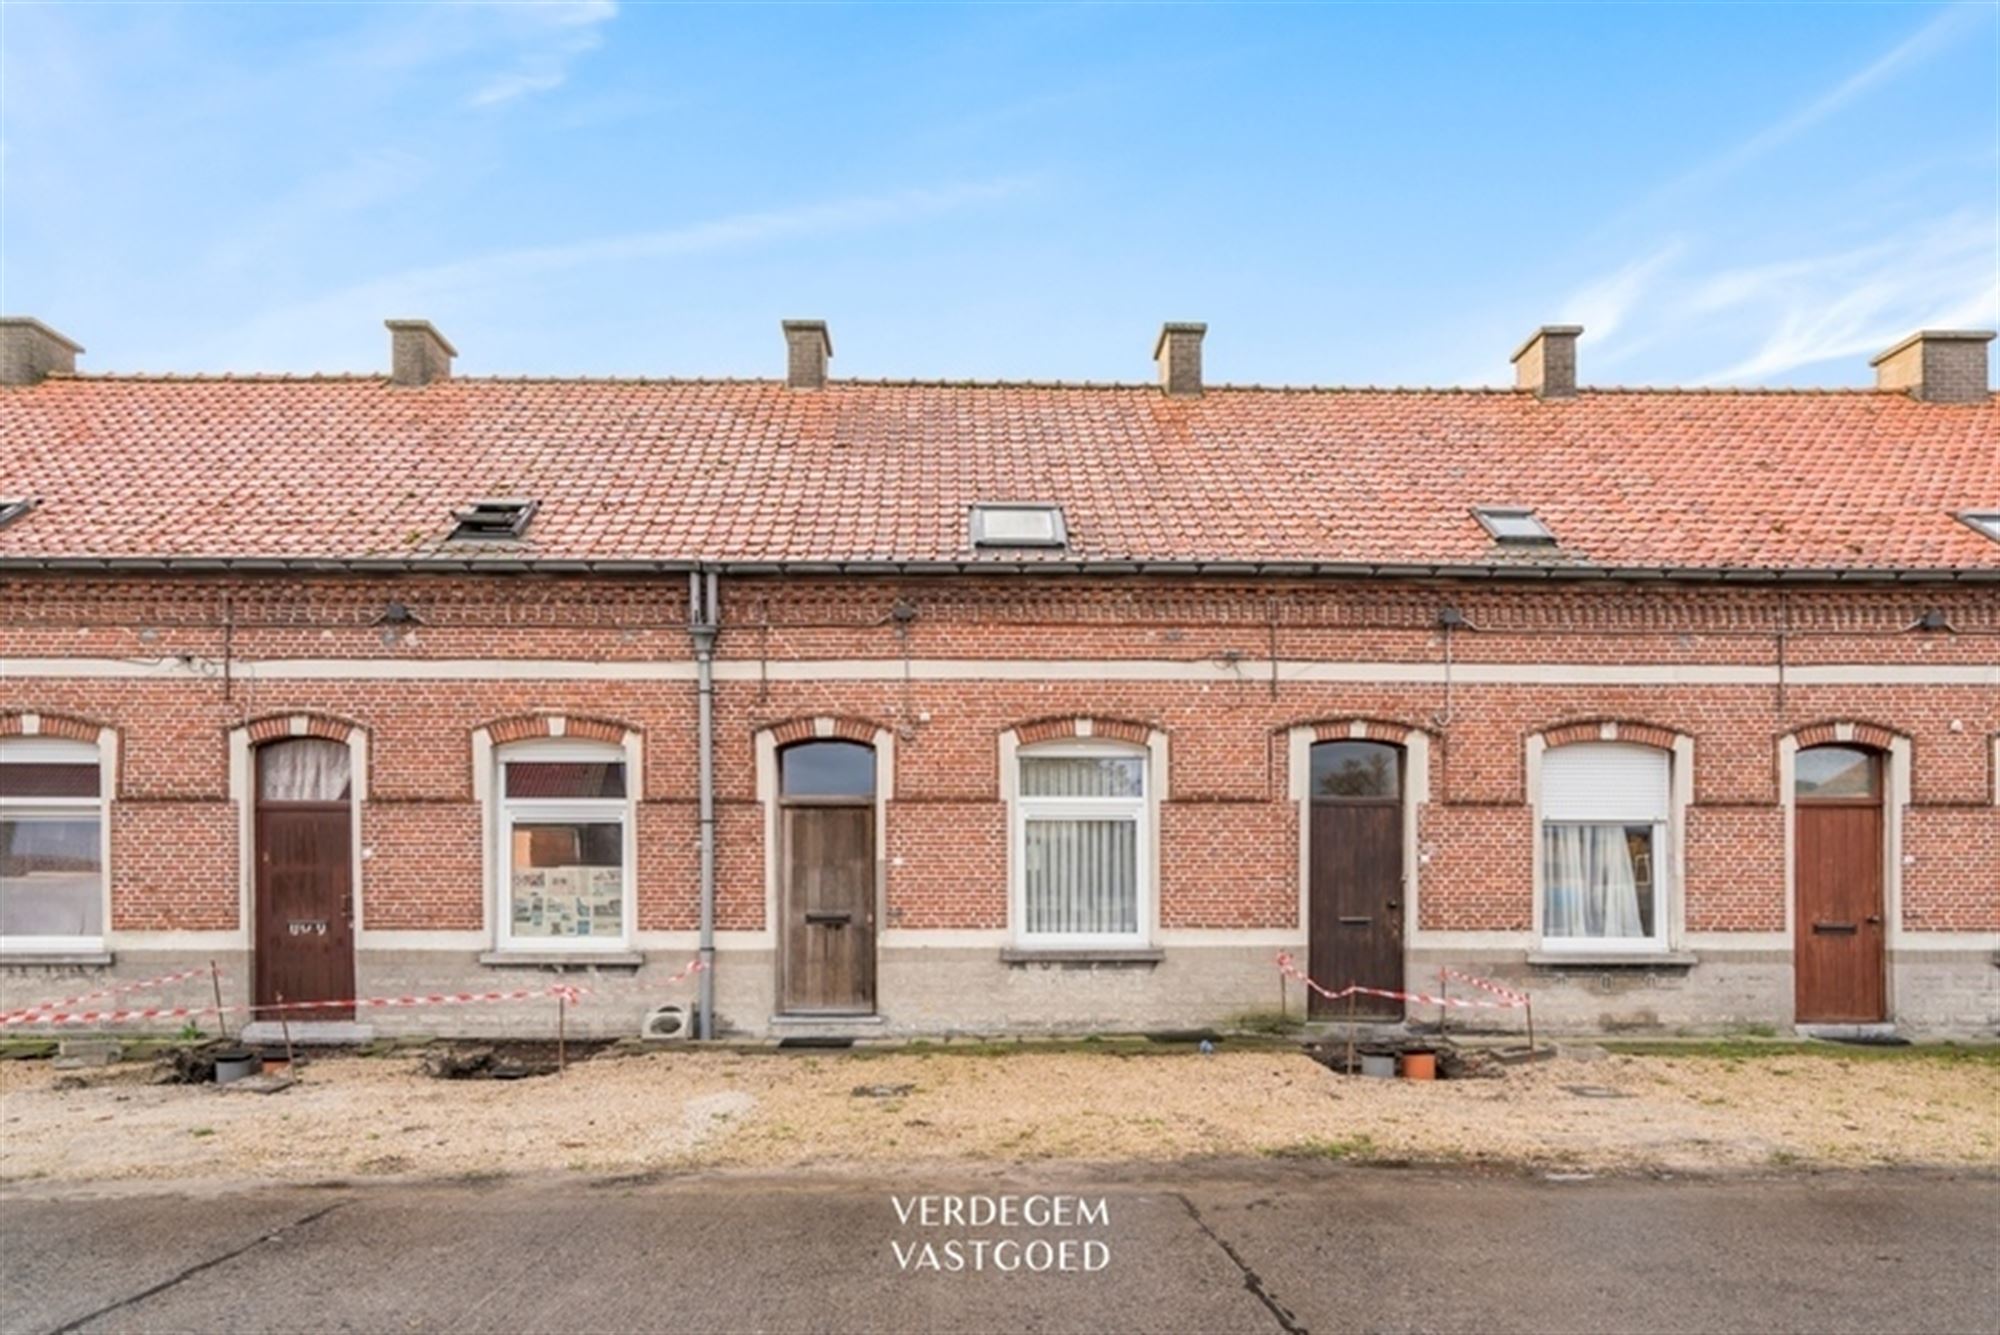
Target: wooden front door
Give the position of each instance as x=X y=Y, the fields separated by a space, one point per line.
x=304 y=849
x=827 y=852
x=1838 y=861
x=1355 y=855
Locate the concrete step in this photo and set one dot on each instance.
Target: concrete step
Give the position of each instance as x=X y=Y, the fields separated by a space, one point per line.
x=308 y=1033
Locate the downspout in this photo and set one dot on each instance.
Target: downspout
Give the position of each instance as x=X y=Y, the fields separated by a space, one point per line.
x=701 y=628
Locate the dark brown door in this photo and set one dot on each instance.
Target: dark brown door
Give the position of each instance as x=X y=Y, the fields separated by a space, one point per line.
x=1837 y=857
x=1355 y=908
x=827 y=847
x=304 y=883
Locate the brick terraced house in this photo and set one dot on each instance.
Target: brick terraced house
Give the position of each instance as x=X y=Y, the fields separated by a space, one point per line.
x=940 y=707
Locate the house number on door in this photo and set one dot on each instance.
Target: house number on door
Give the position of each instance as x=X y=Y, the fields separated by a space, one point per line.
x=317 y=928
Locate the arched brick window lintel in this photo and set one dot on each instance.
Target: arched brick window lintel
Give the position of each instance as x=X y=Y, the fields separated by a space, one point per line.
x=523 y=727
x=1084 y=725
x=1845 y=731
x=1354 y=728
x=294 y=723
x=39 y=723
x=823 y=726
x=1610 y=730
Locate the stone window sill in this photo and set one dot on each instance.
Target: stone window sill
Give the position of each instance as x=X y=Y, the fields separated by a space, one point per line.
x=562 y=959
x=1560 y=960
x=48 y=959
x=1142 y=956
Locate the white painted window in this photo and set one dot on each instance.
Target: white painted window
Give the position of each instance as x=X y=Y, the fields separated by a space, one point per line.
x=54 y=844
x=1605 y=851
x=1081 y=843
x=565 y=846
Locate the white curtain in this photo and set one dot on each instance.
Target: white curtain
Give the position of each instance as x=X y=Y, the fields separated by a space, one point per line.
x=1082 y=877
x=310 y=769
x=1591 y=885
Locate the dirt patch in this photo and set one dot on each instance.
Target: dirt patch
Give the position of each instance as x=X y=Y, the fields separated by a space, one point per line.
x=358 y=1117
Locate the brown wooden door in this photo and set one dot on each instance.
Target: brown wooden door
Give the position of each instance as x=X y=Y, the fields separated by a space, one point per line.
x=1840 y=932
x=304 y=850
x=1355 y=905
x=305 y=907
x=829 y=908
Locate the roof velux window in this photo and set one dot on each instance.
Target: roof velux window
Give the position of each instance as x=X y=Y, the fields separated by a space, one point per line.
x=13 y=507
x=1018 y=524
x=490 y=521
x=1982 y=521
x=1513 y=524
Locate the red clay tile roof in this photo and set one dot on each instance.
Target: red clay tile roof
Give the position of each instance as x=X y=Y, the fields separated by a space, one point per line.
x=748 y=471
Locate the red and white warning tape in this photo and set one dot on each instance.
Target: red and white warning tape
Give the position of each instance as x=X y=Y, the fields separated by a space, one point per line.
x=1518 y=998
x=567 y=992
x=1290 y=969
x=26 y=1014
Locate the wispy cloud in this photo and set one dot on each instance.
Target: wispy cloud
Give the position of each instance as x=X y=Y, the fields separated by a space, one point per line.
x=296 y=327
x=1602 y=304
x=1752 y=323
x=1944 y=28
x=1851 y=303
x=553 y=37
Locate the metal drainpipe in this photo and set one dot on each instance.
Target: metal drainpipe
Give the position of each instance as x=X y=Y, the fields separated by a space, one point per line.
x=701 y=627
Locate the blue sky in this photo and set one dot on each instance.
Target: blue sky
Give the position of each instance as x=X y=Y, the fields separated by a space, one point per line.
x=1739 y=194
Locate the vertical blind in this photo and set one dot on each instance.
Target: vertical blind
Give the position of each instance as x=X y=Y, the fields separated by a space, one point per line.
x=1082 y=877
x=1080 y=844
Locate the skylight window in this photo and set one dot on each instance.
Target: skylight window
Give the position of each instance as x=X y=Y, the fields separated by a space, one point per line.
x=13 y=507
x=1513 y=524
x=493 y=521
x=1019 y=525
x=1982 y=521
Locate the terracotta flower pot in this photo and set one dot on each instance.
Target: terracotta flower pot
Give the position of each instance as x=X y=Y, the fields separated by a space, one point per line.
x=1420 y=1066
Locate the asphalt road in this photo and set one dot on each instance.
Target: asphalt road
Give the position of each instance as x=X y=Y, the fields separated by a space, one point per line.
x=1259 y=1248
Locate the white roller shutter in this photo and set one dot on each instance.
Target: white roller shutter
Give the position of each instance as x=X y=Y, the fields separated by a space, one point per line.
x=1604 y=781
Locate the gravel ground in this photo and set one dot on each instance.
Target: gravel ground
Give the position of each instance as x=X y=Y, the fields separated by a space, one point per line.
x=357 y=1117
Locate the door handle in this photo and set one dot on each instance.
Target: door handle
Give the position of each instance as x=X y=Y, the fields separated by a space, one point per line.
x=1394 y=904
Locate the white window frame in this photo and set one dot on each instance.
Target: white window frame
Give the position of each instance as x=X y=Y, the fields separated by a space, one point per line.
x=506 y=811
x=1142 y=811
x=65 y=750
x=1667 y=855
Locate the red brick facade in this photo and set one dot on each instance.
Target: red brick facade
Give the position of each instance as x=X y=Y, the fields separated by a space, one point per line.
x=1224 y=672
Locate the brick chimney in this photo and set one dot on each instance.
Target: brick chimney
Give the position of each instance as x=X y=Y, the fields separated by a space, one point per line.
x=29 y=350
x=418 y=353
x=1178 y=355
x=1937 y=365
x=1546 y=363
x=807 y=347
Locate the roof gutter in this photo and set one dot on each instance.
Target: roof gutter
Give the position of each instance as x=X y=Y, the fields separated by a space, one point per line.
x=211 y=565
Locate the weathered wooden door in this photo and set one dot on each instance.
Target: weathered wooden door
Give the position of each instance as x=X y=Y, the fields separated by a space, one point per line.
x=1355 y=855
x=1837 y=860
x=304 y=848
x=827 y=847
